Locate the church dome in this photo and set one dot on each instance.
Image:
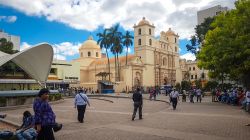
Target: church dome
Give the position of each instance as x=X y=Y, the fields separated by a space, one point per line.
x=170 y=32
x=90 y=44
x=144 y=22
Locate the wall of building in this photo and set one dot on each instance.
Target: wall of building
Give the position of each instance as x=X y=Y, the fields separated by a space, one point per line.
x=68 y=71
x=210 y=12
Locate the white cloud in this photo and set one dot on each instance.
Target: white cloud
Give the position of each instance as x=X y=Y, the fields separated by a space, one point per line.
x=125 y=50
x=188 y=56
x=59 y=57
x=90 y=14
x=24 y=46
x=61 y=50
x=66 y=48
x=10 y=19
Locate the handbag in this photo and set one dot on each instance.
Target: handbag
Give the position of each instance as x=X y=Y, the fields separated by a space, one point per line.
x=57 y=126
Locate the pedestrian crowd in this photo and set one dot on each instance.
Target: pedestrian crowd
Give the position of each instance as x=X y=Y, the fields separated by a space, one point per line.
x=234 y=96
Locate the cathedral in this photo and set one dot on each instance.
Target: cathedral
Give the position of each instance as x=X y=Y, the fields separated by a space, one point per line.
x=155 y=62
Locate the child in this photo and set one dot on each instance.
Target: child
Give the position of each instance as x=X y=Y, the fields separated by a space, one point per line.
x=27 y=131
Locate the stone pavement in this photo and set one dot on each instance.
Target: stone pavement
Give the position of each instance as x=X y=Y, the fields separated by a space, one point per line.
x=112 y=121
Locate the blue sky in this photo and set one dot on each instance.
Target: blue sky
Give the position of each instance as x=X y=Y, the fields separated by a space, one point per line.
x=66 y=25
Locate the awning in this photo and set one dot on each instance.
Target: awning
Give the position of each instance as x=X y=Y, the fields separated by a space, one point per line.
x=107 y=83
x=35 y=61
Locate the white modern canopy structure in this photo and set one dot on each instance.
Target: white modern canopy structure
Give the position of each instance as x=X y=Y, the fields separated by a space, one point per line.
x=35 y=61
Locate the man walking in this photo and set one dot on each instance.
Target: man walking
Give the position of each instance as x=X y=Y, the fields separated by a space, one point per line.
x=138 y=101
x=174 y=95
x=198 y=95
x=81 y=101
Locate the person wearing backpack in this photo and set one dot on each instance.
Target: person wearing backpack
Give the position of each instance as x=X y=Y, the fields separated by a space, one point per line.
x=81 y=101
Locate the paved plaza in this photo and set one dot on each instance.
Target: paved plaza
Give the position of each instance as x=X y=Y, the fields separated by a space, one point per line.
x=105 y=120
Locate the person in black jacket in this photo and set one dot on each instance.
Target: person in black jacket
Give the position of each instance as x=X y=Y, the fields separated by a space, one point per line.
x=137 y=98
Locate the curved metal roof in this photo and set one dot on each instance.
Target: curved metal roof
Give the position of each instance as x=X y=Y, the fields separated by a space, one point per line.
x=36 y=61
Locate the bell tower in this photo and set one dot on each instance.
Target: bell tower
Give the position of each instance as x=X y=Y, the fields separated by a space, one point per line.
x=144 y=41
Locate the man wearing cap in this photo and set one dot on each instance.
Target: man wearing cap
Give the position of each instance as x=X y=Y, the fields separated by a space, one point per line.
x=44 y=116
x=174 y=95
x=81 y=101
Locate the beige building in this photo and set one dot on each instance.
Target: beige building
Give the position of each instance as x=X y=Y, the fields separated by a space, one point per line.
x=192 y=72
x=155 y=62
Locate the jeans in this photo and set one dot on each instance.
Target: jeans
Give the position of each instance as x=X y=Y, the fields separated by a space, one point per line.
x=174 y=103
x=81 y=111
x=198 y=98
x=29 y=134
x=136 y=106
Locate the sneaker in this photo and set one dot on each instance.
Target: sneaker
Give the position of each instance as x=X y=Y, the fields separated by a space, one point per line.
x=248 y=124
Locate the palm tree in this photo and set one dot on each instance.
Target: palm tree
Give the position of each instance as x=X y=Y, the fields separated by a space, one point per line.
x=127 y=41
x=104 y=42
x=115 y=38
x=116 y=50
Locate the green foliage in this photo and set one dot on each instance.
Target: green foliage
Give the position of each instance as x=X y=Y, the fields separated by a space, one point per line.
x=185 y=85
x=198 y=83
x=211 y=85
x=114 y=40
x=200 y=32
x=104 y=42
x=226 y=51
x=127 y=41
x=55 y=97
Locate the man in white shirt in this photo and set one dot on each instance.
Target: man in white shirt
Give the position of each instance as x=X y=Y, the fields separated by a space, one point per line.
x=81 y=101
x=198 y=94
x=174 y=95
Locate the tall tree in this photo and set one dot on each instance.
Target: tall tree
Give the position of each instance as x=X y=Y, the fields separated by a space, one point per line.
x=127 y=41
x=104 y=42
x=200 y=32
x=226 y=50
x=115 y=37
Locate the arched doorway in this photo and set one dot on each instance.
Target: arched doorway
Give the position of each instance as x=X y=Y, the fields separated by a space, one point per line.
x=165 y=81
x=137 y=79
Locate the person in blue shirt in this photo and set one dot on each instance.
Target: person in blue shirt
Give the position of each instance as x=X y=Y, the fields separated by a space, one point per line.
x=81 y=101
x=27 y=130
x=44 y=116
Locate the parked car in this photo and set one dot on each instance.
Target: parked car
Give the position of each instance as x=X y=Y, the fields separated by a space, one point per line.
x=165 y=89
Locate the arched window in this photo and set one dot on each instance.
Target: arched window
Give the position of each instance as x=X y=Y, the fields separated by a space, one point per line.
x=150 y=42
x=81 y=54
x=97 y=54
x=89 y=54
x=139 y=31
x=139 y=41
x=149 y=31
x=175 y=49
x=175 y=40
